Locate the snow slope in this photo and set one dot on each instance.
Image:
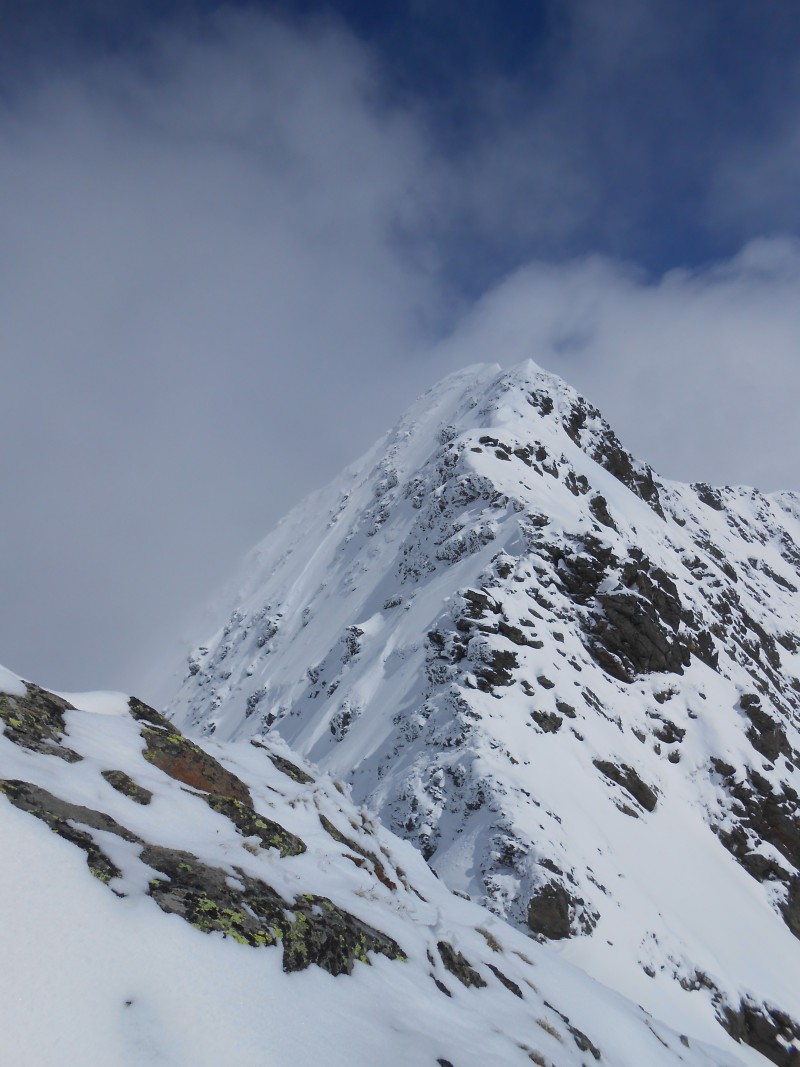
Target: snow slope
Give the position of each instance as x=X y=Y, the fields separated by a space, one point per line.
x=244 y=911
x=571 y=684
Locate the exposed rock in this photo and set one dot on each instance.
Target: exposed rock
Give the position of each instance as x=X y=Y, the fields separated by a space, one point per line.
x=547 y=721
x=584 y=1043
x=766 y=1029
x=497 y=671
x=377 y=865
x=633 y=630
x=505 y=980
x=312 y=929
x=599 y=508
x=766 y=735
x=550 y=912
x=791 y=906
x=768 y=815
x=286 y=766
x=628 y=779
x=186 y=762
x=36 y=721
x=605 y=448
x=249 y=823
x=124 y=784
x=459 y=966
x=144 y=713
x=65 y=819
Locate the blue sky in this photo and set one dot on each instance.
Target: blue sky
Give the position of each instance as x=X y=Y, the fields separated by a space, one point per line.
x=648 y=111
x=237 y=241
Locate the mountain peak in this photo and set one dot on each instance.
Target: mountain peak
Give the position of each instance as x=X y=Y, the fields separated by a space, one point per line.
x=564 y=679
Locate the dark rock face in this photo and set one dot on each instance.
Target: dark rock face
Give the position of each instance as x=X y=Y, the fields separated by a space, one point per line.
x=635 y=628
x=497 y=672
x=459 y=966
x=286 y=766
x=639 y=623
x=550 y=911
x=791 y=906
x=632 y=633
x=584 y=1043
x=771 y=815
x=766 y=735
x=36 y=722
x=511 y=986
x=627 y=778
x=606 y=449
x=547 y=721
x=144 y=713
x=709 y=496
x=765 y=815
x=766 y=1029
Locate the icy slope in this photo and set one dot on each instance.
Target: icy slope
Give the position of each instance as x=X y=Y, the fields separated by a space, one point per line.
x=571 y=684
x=244 y=912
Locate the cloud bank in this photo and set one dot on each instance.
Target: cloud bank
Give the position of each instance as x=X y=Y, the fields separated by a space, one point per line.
x=698 y=371
x=229 y=260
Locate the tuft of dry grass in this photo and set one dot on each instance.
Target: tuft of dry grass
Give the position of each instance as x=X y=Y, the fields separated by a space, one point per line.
x=550 y=1029
x=490 y=939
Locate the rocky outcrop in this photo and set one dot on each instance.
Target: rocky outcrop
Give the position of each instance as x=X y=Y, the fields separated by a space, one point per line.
x=310 y=928
x=767 y=1029
x=183 y=760
x=36 y=722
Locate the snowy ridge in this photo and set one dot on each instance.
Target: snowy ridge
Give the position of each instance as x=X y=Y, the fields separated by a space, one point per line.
x=191 y=906
x=573 y=685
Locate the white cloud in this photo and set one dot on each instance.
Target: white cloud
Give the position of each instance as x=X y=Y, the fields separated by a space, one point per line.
x=207 y=282
x=225 y=267
x=699 y=372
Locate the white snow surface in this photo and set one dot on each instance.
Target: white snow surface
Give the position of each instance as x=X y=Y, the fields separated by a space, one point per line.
x=98 y=702
x=431 y=628
x=10 y=683
x=97 y=975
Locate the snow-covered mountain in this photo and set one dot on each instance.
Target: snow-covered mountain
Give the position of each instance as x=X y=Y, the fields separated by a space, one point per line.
x=571 y=684
x=170 y=903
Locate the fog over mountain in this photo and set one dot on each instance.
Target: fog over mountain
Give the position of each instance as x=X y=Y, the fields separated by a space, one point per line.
x=238 y=242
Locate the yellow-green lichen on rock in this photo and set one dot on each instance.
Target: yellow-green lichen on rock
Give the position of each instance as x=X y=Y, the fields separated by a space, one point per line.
x=183 y=760
x=250 y=823
x=124 y=784
x=36 y=721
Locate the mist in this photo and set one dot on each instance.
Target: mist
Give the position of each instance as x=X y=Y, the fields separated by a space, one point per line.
x=231 y=258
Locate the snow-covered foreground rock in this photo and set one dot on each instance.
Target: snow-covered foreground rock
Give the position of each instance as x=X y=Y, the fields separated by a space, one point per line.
x=572 y=685
x=166 y=903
